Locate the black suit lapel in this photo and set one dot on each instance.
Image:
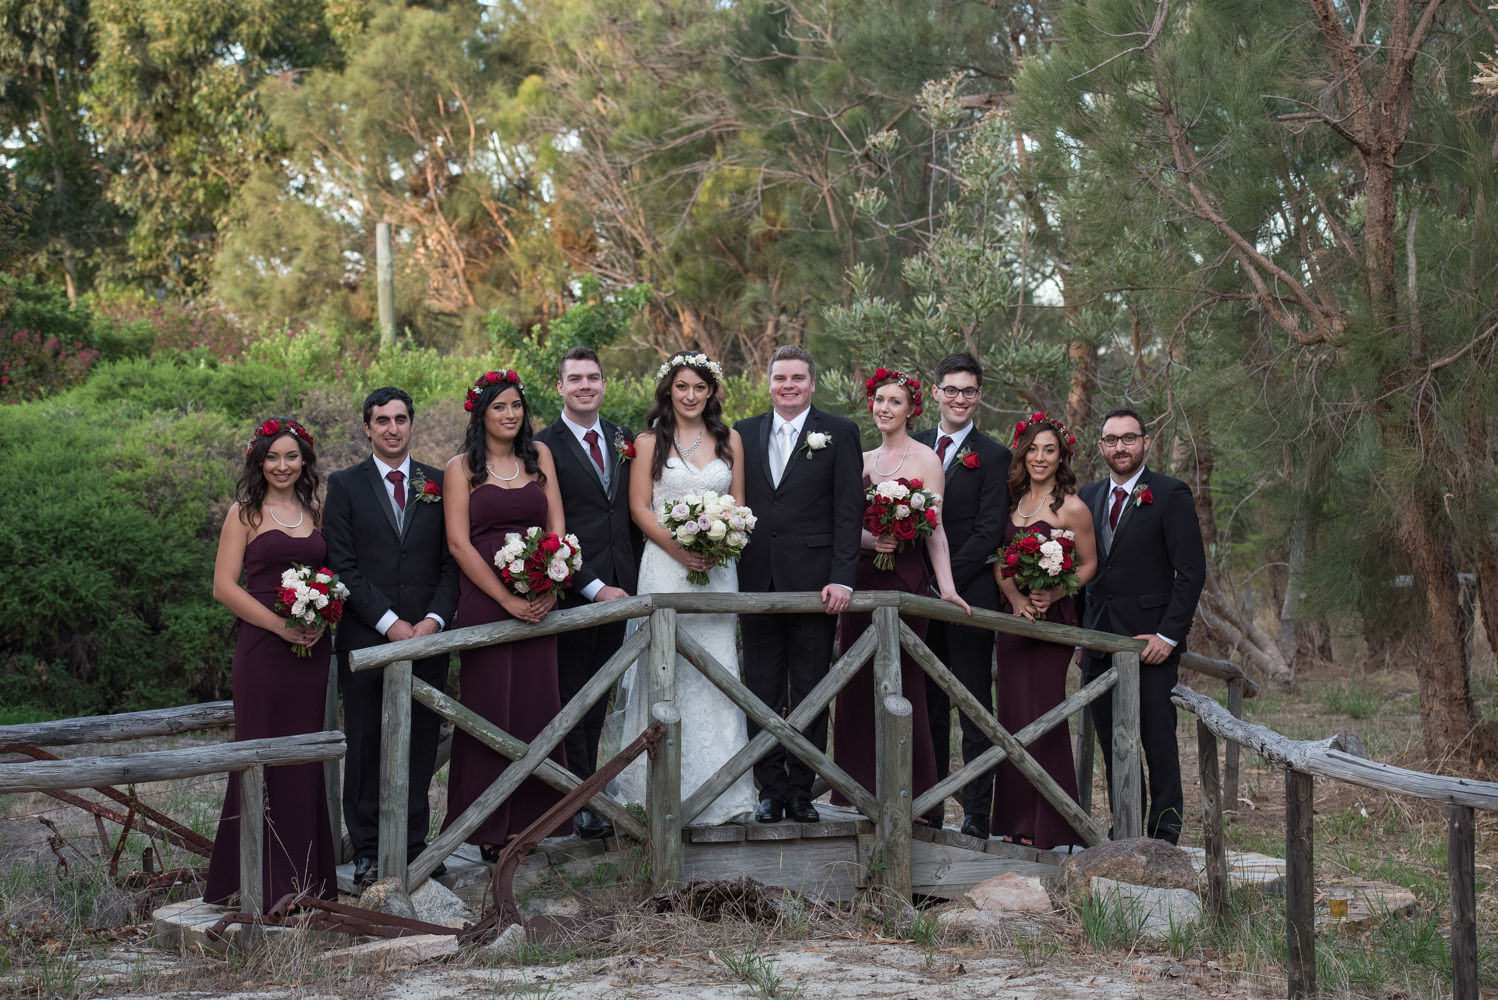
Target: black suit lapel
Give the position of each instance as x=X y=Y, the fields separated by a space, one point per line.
x=412 y=503
x=1099 y=517
x=376 y=483
x=610 y=456
x=808 y=425
x=573 y=448
x=1129 y=502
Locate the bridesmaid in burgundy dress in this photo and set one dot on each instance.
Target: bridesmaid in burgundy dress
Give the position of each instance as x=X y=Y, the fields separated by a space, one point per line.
x=512 y=485
x=895 y=401
x=1032 y=673
x=276 y=692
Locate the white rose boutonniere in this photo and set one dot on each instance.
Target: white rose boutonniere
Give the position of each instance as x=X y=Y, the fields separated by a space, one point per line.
x=815 y=441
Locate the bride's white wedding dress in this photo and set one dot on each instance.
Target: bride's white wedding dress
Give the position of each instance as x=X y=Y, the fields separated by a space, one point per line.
x=712 y=727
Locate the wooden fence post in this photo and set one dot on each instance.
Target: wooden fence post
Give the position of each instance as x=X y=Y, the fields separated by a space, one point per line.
x=1300 y=884
x=663 y=805
x=1086 y=748
x=886 y=627
x=331 y=774
x=395 y=769
x=1128 y=796
x=892 y=830
x=252 y=839
x=1217 y=859
x=1461 y=864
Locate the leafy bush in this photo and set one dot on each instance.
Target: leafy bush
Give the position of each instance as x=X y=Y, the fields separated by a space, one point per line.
x=131 y=323
x=33 y=366
x=177 y=382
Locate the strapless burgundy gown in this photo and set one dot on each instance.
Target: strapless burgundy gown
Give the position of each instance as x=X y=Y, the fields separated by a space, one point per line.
x=1032 y=681
x=512 y=684
x=277 y=693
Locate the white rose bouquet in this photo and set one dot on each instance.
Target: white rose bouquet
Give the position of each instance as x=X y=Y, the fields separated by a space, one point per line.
x=709 y=524
x=538 y=561
x=308 y=596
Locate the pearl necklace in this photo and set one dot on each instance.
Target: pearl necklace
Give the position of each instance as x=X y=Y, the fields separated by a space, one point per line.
x=1026 y=517
x=504 y=479
x=686 y=452
x=301 y=516
x=885 y=475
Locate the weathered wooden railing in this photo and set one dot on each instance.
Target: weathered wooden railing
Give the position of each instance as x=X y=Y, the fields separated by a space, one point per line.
x=890 y=806
x=1340 y=758
x=249 y=758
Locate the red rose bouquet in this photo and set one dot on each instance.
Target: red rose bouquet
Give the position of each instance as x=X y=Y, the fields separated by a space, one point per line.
x=538 y=561
x=902 y=508
x=307 y=596
x=1038 y=562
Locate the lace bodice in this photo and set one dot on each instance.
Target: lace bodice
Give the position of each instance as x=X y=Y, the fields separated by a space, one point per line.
x=679 y=478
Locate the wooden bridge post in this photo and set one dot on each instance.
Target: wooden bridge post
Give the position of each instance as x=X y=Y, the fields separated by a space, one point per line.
x=1086 y=761
x=663 y=805
x=1216 y=853
x=1300 y=884
x=1128 y=795
x=1461 y=864
x=252 y=839
x=331 y=775
x=663 y=772
x=395 y=769
x=1230 y=756
x=892 y=829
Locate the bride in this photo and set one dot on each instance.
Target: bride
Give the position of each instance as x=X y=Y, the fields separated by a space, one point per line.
x=689 y=449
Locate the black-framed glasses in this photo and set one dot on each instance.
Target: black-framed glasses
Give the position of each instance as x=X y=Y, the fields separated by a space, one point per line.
x=1114 y=440
x=952 y=391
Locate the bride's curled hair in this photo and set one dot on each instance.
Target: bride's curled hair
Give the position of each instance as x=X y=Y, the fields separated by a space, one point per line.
x=662 y=415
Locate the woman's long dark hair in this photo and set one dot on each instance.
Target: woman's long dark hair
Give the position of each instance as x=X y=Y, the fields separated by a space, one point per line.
x=1019 y=475
x=251 y=486
x=662 y=419
x=474 y=449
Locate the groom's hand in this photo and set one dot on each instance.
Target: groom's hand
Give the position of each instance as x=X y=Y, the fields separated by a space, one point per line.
x=836 y=597
x=607 y=593
x=399 y=630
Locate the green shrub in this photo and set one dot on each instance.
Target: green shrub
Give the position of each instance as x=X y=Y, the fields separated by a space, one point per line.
x=33 y=366
x=131 y=323
x=178 y=382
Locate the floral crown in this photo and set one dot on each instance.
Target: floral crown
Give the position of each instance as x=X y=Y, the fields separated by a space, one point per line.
x=1068 y=439
x=491 y=378
x=699 y=361
x=882 y=375
x=278 y=425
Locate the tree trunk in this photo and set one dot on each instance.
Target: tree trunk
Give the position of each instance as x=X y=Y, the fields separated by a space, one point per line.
x=1237 y=632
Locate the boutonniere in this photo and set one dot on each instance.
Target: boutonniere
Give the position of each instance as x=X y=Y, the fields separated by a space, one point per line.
x=968 y=458
x=425 y=490
x=623 y=447
x=815 y=441
x=1142 y=495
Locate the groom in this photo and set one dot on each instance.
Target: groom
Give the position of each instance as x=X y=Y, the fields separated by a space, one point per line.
x=592 y=463
x=1151 y=568
x=803 y=479
x=387 y=543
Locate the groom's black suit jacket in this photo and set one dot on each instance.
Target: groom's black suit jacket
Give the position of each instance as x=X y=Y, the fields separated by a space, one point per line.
x=809 y=526
x=405 y=567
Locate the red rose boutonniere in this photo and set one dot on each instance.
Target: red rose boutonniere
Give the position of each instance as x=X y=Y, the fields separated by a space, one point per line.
x=1142 y=495
x=623 y=447
x=425 y=490
x=968 y=458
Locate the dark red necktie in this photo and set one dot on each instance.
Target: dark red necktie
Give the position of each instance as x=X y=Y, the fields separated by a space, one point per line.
x=397 y=477
x=942 y=444
x=1119 y=495
x=592 y=438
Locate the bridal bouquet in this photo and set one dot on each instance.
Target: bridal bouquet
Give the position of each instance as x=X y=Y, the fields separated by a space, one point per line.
x=308 y=596
x=538 y=561
x=1035 y=561
x=903 y=508
x=708 y=524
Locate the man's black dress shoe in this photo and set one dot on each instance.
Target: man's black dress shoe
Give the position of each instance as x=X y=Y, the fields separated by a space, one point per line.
x=588 y=825
x=364 y=871
x=802 y=811
x=975 y=826
x=769 y=811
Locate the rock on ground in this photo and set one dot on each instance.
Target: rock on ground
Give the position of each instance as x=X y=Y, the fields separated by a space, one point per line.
x=1158 y=910
x=1138 y=861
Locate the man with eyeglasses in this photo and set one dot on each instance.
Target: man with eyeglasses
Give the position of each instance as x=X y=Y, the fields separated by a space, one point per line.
x=1151 y=567
x=973 y=510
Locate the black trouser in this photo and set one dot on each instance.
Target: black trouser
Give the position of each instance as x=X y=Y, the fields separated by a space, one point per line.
x=968 y=653
x=579 y=655
x=1157 y=734
x=785 y=656
x=363 y=697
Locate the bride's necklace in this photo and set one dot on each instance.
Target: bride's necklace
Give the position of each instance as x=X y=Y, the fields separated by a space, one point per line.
x=300 y=517
x=1032 y=513
x=685 y=452
x=504 y=479
x=885 y=475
